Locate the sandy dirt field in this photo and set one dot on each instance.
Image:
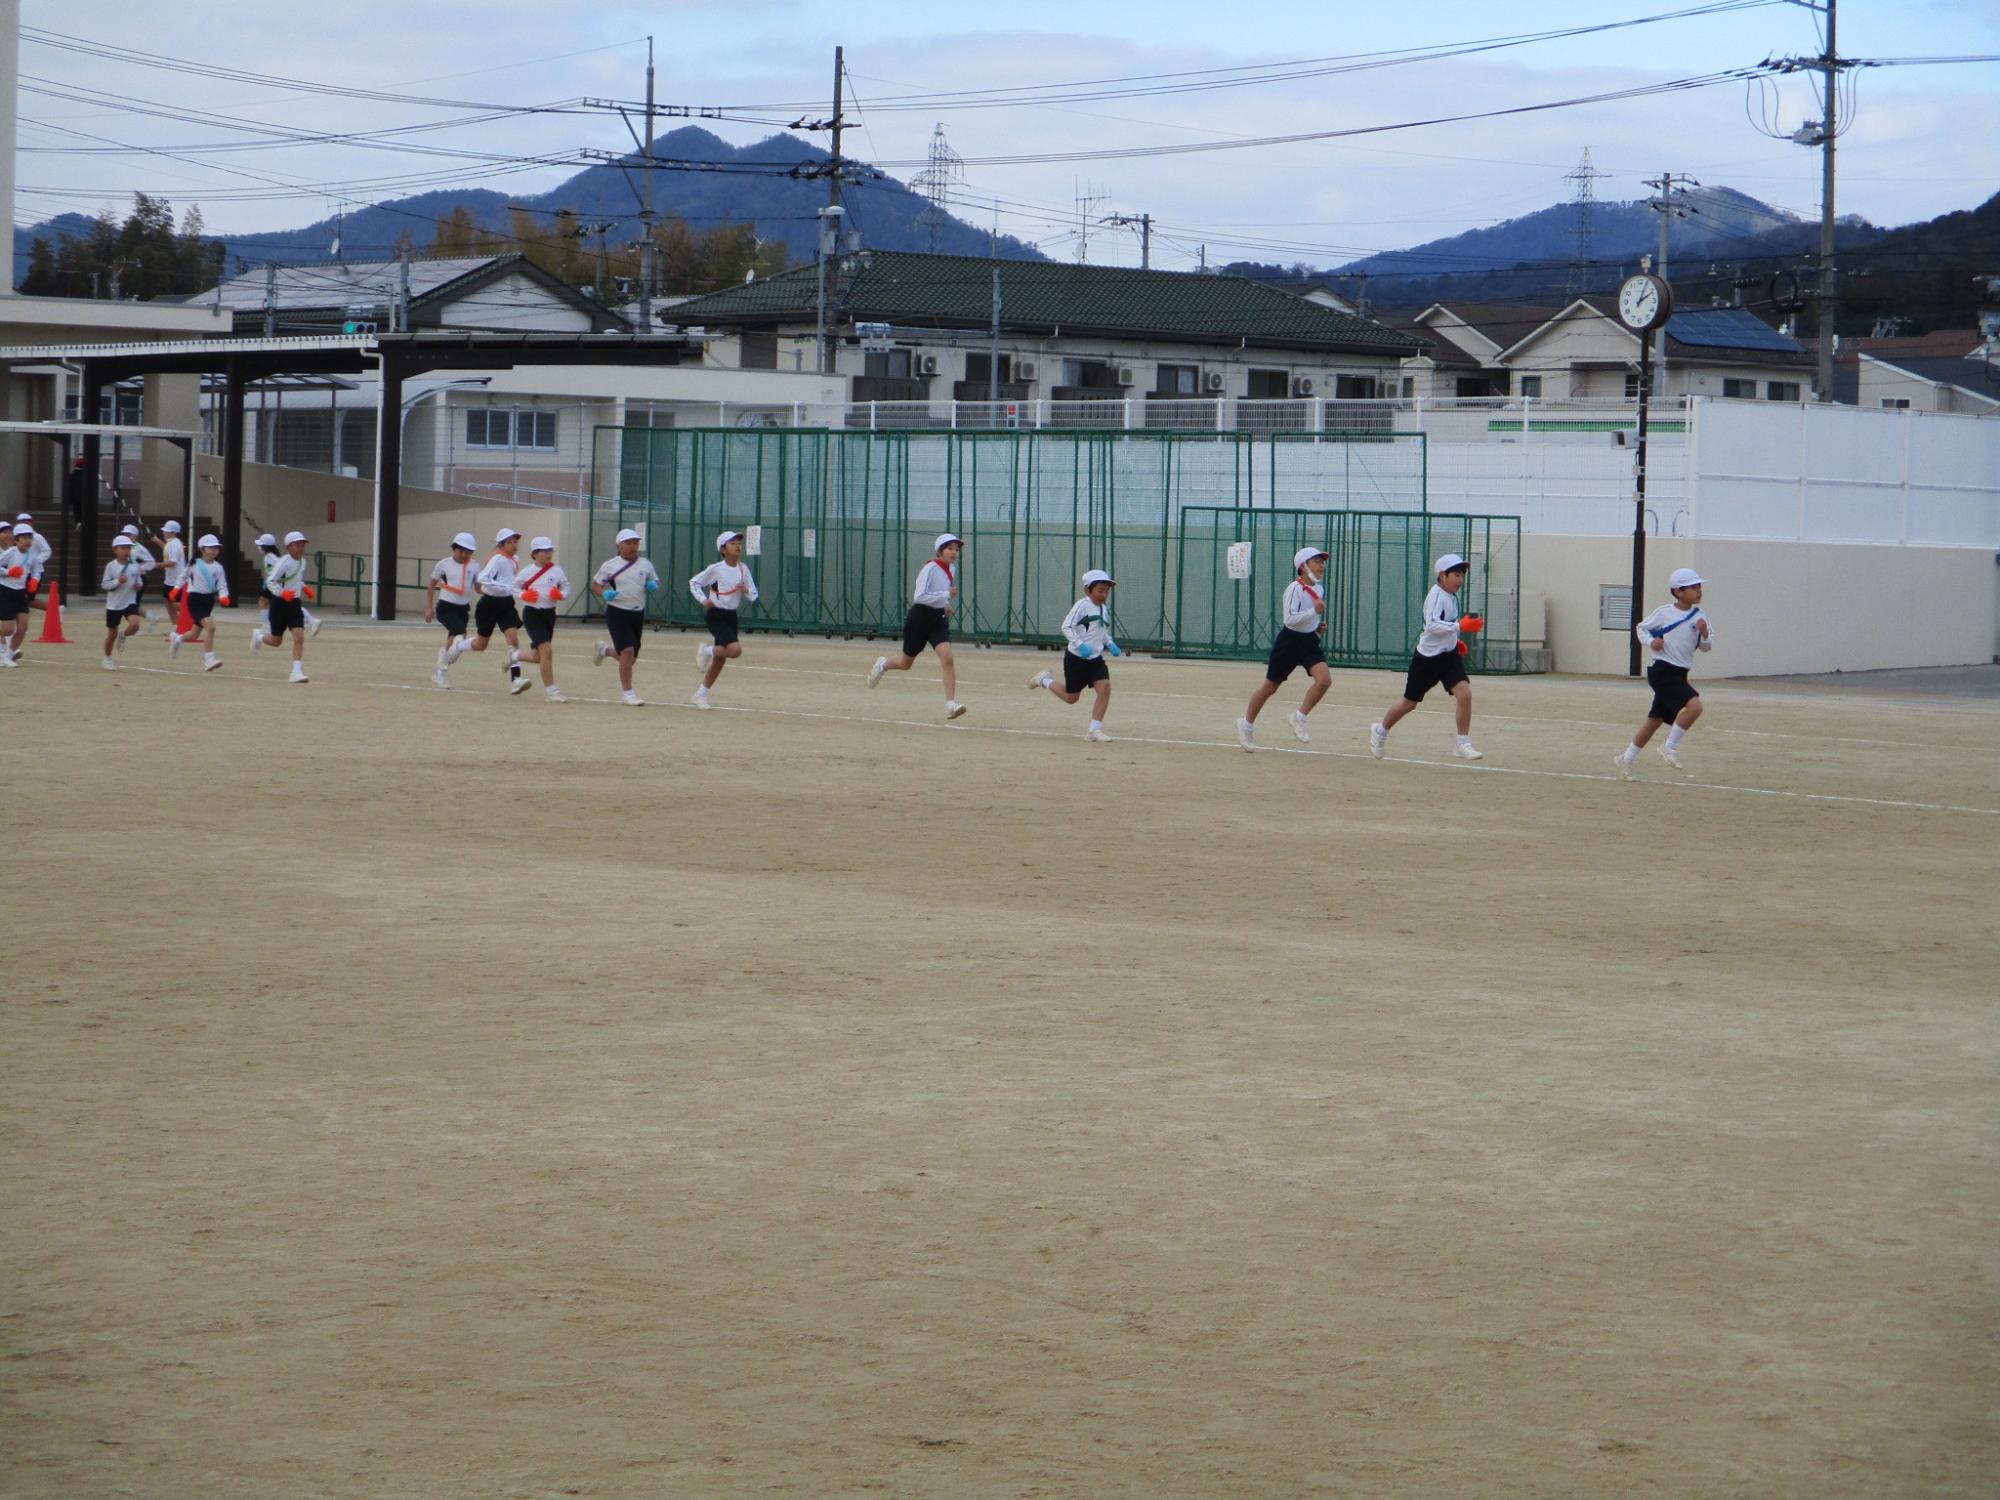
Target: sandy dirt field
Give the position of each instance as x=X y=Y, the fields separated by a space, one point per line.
x=417 y=1094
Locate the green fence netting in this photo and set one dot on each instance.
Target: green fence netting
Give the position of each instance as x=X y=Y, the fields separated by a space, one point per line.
x=845 y=518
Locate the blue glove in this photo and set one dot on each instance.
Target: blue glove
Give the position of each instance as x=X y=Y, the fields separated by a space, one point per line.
x=1112 y=648
x=1083 y=652
x=652 y=585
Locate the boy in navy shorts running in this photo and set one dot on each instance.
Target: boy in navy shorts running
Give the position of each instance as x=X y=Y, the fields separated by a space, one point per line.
x=721 y=589
x=1087 y=629
x=1438 y=661
x=448 y=602
x=929 y=621
x=1297 y=645
x=1673 y=633
x=623 y=584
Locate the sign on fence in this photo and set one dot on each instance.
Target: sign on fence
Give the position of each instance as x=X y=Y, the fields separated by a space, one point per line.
x=1239 y=560
x=753 y=541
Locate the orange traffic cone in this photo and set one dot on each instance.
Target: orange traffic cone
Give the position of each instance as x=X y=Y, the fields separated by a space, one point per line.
x=52 y=621
x=184 y=622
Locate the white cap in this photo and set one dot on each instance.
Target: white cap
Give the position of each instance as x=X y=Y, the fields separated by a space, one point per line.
x=22 y=528
x=1305 y=555
x=541 y=544
x=294 y=536
x=1097 y=575
x=945 y=539
x=128 y=529
x=208 y=539
x=1448 y=562
x=1685 y=578
x=24 y=516
x=466 y=540
x=724 y=538
x=121 y=540
x=629 y=535
x=267 y=540
x=505 y=532
x=172 y=528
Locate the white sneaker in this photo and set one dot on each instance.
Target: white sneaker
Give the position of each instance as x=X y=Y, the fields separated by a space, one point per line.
x=313 y=627
x=601 y=655
x=110 y=665
x=210 y=662
x=1246 y=734
x=256 y=640
x=1672 y=756
x=953 y=709
x=174 y=643
x=1299 y=728
x=1467 y=752
x=875 y=672
x=632 y=699
x=1378 y=741
x=440 y=679
x=704 y=654
x=444 y=657
x=1628 y=767
x=1041 y=679
x=518 y=686
x=700 y=700
x=298 y=674
x=1097 y=736
x=556 y=695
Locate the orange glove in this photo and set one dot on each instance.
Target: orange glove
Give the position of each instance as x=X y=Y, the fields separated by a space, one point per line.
x=1463 y=649
x=555 y=596
x=1472 y=624
x=226 y=603
x=34 y=585
x=174 y=594
x=311 y=592
x=16 y=571
x=530 y=596
x=290 y=595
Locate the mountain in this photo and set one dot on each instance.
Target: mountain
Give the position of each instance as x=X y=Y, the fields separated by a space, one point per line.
x=888 y=215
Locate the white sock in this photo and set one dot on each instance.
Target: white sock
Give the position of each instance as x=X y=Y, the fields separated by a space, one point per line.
x=309 y=616
x=1465 y=739
x=702 y=691
x=1096 y=723
x=1674 y=737
x=1631 y=754
x=1047 y=680
x=1381 y=730
x=208 y=656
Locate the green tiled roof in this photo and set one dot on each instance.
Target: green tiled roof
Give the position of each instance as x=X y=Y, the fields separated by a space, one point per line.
x=956 y=291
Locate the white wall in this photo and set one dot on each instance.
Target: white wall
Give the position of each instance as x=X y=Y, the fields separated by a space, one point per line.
x=514 y=301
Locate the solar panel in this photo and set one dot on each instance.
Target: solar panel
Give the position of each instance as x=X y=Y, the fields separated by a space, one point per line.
x=1729 y=328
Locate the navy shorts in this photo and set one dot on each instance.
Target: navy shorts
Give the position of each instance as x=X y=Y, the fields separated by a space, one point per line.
x=495 y=612
x=1446 y=670
x=925 y=625
x=13 y=603
x=1292 y=650
x=454 y=617
x=1672 y=691
x=626 y=627
x=541 y=625
x=113 y=618
x=1079 y=673
x=287 y=614
x=200 y=606
x=721 y=625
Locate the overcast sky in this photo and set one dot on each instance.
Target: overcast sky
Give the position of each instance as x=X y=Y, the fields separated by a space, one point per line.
x=1924 y=140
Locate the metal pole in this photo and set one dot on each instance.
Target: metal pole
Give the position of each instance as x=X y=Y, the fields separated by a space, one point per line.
x=646 y=210
x=270 y=300
x=833 y=180
x=1829 y=288
x=1639 y=511
x=993 y=355
x=1666 y=206
x=1145 y=242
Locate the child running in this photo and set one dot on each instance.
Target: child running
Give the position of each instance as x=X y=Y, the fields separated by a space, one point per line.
x=1087 y=629
x=1673 y=633
x=1438 y=660
x=206 y=582
x=495 y=609
x=1297 y=645
x=17 y=575
x=540 y=588
x=174 y=567
x=143 y=556
x=929 y=621
x=288 y=590
x=623 y=584
x=720 y=589
x=121 y=598
x=448 y=602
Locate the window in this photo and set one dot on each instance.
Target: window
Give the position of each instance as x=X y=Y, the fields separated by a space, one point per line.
x=1177 y=380
x=886 y=364
x=1091 y=373
x=1269 y=385
x=1470 y=386
x=1781 y=390
x=1740 y=390
x=1531 y=387
x=1409 y=387
x=760 y=351
x=1899 y=403
x=1354 y=387
x=1631 y=385
x=979 y=369
x=500 y=427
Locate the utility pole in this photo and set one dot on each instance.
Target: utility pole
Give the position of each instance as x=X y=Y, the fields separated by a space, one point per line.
x=270 y=299
x=1664 y=207
x=1144 y=224
x=400 y=323
x=1829 y=286
x=829 y=247
x=993 y=354
x=646 y=208
x=833 y=177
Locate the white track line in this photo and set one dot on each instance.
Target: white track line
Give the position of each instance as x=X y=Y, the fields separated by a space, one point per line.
x=960 y=727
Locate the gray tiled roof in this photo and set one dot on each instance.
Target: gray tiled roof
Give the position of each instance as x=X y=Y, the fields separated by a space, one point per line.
x=373 y=282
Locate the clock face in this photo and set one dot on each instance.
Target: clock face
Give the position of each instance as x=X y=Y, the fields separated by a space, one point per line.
x=1639 y=302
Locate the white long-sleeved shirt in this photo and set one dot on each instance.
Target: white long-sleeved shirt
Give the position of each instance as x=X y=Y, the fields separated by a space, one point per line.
x=142 y=556
x=723 y=585
x=454 y=580
x=121 y=583
x=205 y=577
x=12 y=558
x=1679 y=631
x=549 y=585
x=269 y=561
x=625 y=582
x=1300 y=607
x=1440 y=632
x=496 y=579
x=935 y=586
x=1088 y=623
x=287 y=573
x=176 y=562
x=39 y=552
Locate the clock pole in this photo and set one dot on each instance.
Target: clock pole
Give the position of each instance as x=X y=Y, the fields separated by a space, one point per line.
x=1639 y=508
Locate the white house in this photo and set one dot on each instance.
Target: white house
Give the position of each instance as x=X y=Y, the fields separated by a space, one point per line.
x=494 y=292
x=1968 y=386
x=1584 y=353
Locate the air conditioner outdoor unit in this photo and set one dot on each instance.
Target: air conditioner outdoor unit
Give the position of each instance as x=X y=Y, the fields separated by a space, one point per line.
x=1303 y=386
x=1212 y=381
x=1126 y=375
x=1024 y=369
x=927 y=364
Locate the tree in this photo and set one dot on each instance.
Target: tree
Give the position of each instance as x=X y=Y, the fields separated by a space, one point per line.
x=143 y=257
